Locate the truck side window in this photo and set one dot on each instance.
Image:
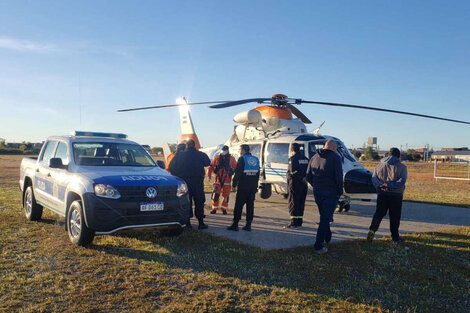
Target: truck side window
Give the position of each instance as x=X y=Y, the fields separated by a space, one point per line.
x=61 y=153
x=49 y=151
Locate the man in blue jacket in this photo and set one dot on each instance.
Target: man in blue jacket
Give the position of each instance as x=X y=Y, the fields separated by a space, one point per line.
x=389 y=179
x=245 y=183
x=325 y=174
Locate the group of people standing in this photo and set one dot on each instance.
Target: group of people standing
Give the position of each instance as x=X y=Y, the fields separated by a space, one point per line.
x=238 y=176
x=323 y=172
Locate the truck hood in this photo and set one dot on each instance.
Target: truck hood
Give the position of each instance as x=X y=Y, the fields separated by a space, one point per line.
x=128 y=176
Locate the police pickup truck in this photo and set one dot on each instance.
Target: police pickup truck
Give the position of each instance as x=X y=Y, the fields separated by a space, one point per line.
x=102 y=183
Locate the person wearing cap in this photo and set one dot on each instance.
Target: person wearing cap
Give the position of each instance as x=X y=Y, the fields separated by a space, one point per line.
x=175 y=158
x=191 y=168
x=245 y=183
x=389 y=179
x=325 y=174
x=223 y=166
x=297 y=185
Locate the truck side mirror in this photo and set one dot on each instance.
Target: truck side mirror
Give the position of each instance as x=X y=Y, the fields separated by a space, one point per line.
x=56 y=163
x=161 y=164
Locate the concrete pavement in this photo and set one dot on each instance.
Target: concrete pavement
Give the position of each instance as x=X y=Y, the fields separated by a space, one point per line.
x=271 y=215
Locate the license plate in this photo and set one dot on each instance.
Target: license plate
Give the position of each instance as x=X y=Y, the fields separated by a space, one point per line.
x=158 y=206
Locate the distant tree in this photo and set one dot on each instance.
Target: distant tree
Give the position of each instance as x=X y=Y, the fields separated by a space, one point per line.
x=412 y=155
x=357 y=154
x=2 y=143
x=370 y=154
x=23 y=147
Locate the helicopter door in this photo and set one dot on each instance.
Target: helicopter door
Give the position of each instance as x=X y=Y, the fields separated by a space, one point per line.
x=277 y=161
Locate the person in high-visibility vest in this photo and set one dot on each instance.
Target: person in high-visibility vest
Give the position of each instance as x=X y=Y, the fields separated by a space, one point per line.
x=223 y=166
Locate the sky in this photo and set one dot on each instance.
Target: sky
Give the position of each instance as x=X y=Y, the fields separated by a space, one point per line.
x=70 y=65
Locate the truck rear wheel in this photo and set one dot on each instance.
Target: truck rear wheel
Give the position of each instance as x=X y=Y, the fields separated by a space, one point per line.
x=32 y=210
x=79 y=233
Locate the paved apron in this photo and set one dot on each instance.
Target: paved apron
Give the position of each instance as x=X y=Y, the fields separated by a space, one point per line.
x=272 y=214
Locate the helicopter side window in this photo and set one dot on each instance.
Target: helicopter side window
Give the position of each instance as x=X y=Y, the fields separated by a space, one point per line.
x=255 y=150
x=278 y=153
x=313 y=147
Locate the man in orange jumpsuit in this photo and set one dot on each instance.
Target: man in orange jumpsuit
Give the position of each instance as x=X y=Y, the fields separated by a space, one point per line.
x=223 y=166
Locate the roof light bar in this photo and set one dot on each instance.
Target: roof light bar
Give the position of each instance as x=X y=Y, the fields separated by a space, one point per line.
x=80 y=133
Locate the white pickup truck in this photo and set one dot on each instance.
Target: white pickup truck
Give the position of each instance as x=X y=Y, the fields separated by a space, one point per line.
x=102 y=183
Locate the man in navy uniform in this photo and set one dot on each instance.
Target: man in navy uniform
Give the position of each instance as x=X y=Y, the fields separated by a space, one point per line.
x=245 y=183
x=325 y=174
x=297 y=185
x=191 y=168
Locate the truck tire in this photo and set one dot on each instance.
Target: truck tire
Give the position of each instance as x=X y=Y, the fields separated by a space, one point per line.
x=265 y=191
x=79 y=233
x=32 y=210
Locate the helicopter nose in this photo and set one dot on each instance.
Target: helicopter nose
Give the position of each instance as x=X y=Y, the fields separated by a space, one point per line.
x=359 y=181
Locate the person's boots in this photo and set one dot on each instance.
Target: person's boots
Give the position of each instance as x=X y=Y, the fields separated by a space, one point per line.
x=213 y=211
x=299 y=222
x=224 y=212
x=247 y=227
x=202 y=225
x=233 y=227
x=291 y=224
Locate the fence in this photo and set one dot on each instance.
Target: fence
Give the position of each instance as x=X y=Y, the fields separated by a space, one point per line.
x=452 y=170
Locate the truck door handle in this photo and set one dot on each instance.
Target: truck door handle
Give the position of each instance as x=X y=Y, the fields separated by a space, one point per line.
x=48 y=174
x=37 y=170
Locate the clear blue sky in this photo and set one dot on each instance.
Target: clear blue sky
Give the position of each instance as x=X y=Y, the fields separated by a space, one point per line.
x=107 y=55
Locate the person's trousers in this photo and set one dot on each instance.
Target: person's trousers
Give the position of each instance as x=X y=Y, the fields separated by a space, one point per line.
x=223 y=191
x=297 y=196
x=326 y=202
x=196 y=195
x=391 y=203
x=244 y=197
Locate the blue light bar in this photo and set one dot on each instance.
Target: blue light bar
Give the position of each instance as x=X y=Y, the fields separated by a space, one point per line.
x=98 y=134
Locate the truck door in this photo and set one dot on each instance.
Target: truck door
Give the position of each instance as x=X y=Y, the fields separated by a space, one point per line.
x=43 y=184
x=277 y=161
x=59 y=178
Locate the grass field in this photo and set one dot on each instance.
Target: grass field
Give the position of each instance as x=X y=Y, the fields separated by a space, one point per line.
x=40 y=271
x=422 y=187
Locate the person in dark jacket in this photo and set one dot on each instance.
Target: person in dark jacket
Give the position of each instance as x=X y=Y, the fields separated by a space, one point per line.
x=325 y=174
x=245 y=183
x=297 y=186
x=175 y=161
x=389 y=179
x=190 y=165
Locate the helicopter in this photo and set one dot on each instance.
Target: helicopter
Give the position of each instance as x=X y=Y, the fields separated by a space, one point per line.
x=271 y=128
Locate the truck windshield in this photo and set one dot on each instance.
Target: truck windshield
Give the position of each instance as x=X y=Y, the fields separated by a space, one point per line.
x=110 y=154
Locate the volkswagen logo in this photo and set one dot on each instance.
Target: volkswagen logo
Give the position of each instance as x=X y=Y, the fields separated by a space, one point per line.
x=151 y=192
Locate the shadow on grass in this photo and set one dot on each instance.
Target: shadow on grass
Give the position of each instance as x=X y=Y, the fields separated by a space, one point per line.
x=354 y=271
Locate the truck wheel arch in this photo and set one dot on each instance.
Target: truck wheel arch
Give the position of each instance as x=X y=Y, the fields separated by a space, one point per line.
x=27 y=182
x=71 y=197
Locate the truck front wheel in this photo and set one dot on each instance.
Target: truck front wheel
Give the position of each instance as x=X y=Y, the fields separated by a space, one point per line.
x=32 y=210
x=79 y=233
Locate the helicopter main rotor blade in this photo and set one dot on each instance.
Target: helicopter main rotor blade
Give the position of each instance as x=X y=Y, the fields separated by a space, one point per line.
x=298 y=113
x=227 y=104
x=381 y=109
x=168 y=106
